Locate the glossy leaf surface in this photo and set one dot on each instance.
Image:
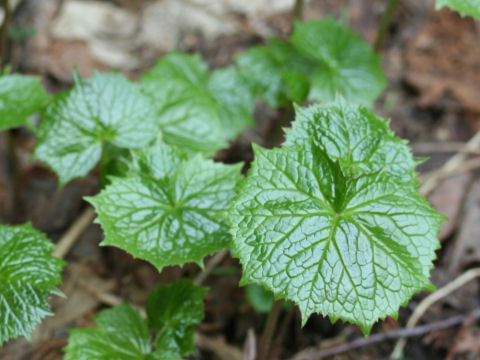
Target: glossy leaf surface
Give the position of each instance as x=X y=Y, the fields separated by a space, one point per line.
x=464 y=7
x=167 y=214
x=350 y=240
x=28 y=275
x=196 y=111
x=354 y=136
x=106 y=108
x=121 y=334
x=347 y=64
x=20 y=97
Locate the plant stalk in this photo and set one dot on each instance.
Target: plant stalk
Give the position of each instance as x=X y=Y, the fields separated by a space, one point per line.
x=385 y=24
x=4 y=34
x=298 y=10
x=267 y=335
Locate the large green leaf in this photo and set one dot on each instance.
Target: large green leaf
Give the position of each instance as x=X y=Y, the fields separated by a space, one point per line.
x=20 y=97
x=464 y=7
x=28 y=275
x=106 y=108
x=197 y=112
x=347 y=64
x=352 y=243
x=121 y=333
x=174 y=311
x=168 y=214
x=354 y=136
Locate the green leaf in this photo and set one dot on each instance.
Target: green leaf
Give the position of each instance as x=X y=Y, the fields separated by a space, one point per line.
x=174 y=311
x=121 y=334
x=260 y=299
x=464 y=7
x=354 y=136
x=168 y=214
x=353 y=244
x=347 y=64
x=28 y=275
x=20 y=97
x=264 y=73
x=197 y=112
x=106 y=108
x=234 y=100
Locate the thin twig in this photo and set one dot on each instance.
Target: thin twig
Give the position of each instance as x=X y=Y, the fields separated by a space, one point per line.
x=430 y=300
x=214 y=261
x=266 y=339
x=385 y=23
x=442 y=147
x=452 y=164
x=73 y=233
x=393 y=334
x=442 y=174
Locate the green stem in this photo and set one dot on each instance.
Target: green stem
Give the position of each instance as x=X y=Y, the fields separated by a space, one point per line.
x=298 y=10
x=266 y=339
x=385 y=23
x=4 y=34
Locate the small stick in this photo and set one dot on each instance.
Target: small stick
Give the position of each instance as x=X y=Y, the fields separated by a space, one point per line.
x=442 y=147
x=430 y=300
x=452 y=164
x=394 y=334
x=73 y=233
x=214 y=261
x=266 y=339
x=441 y=174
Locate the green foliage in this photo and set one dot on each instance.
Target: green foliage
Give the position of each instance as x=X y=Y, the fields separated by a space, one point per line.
x=320 y=60
x=28 y=275
x=121 y=334
x=324 y=223
x=347 y=63
x=77 y=124
x=174 y=311
x=260 y=299
x=196 y=111
x=165 y=210
x=20 y=97
x=464 y=7
x=354 y=136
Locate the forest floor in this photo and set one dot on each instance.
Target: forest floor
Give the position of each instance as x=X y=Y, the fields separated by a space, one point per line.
x=432 y=62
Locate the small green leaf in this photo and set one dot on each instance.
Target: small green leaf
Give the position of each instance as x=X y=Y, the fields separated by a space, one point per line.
x=28 y=275
x=353 y=243
x=168 y=214
x=174 y=311
x=234 y=100
x=106 y=108
x=20 y=97
x=121 y=334
x=347 y=64
x=464 y=7
x=264 y=73
x=260 y=299
x=197 y=112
